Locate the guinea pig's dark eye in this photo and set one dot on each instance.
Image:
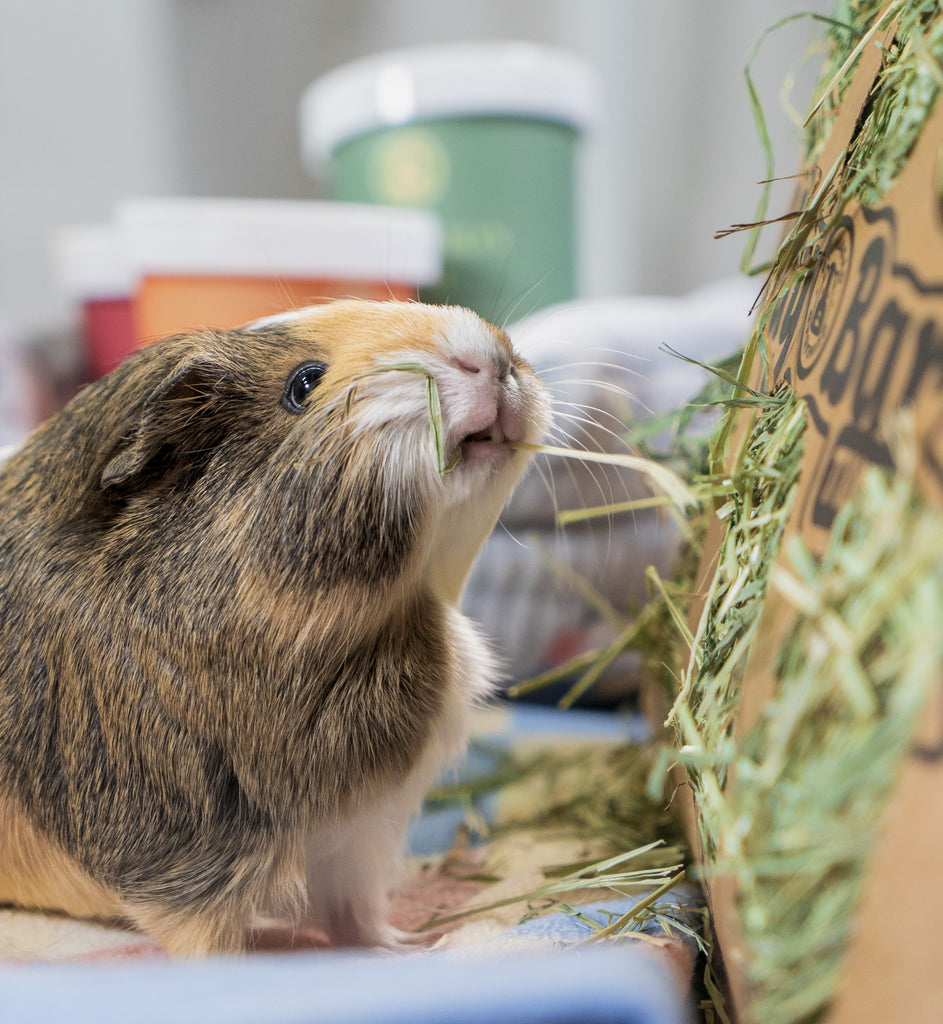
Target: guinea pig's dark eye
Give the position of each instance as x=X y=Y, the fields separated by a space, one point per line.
x=301 y=382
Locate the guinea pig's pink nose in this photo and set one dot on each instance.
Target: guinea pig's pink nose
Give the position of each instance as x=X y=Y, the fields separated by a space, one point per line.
x=495 y=365
x=468 y=364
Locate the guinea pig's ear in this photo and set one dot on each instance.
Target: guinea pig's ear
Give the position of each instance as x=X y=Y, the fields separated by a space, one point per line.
x=174 y=418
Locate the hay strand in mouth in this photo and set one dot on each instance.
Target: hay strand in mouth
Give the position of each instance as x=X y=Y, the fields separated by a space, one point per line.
x=668 y=482
x=434 y=406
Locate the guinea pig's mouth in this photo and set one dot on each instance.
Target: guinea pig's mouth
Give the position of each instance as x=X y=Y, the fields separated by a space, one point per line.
x=485 y=443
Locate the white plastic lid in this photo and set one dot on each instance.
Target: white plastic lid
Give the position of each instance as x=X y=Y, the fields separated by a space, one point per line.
x=91 y=262
x=463 y=79
x=290 y=238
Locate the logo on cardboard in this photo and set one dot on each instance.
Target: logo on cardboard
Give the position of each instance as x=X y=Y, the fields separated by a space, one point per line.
x=860 y=337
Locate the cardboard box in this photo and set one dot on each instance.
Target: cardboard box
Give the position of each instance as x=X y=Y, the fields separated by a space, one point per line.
x=859 y=339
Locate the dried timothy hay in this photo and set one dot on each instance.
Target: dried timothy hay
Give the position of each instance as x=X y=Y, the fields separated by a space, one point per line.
x=907 y=88
x=672 y=487
x=909 y=34
x=761 y=487
x=789 y=808
x=814 y=772
x=584 y=802
x=444 y=463
x=790 y=784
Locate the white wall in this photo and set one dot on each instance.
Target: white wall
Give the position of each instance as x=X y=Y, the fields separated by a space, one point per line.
x=108 y=98
x=84 y=117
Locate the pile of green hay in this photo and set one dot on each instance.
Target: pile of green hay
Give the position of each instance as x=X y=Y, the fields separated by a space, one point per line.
x=908 y=86
x=906 y=90
x=594 y=792
x=789 y=809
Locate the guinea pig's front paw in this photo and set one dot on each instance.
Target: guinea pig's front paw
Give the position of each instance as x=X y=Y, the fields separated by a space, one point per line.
x=360 y=927
x=396 y=940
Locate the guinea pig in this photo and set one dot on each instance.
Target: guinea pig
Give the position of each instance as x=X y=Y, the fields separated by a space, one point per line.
x=231 y=654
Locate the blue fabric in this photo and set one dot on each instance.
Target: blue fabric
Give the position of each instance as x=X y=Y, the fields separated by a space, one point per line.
x=593 y=986
x=535 y=720
x=564 y=929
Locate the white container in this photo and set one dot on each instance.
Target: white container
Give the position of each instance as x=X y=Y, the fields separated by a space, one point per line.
x=219 y=263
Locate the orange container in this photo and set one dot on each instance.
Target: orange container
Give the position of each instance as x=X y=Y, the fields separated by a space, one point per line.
x=219 y=263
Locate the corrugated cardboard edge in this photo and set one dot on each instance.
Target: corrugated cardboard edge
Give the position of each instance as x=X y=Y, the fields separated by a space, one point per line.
x=889 y=972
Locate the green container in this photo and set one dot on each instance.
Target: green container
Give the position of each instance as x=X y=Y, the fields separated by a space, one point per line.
x=484 y=135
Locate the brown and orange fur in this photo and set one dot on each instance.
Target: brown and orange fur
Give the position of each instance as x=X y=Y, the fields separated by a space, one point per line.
x=230 y=650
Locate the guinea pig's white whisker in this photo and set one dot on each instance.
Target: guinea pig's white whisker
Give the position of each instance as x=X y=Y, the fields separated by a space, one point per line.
x=513 y=537
x=567 y=388
x=289 y=303
x=560 y=513
x=593 y=429
x=619 y=405
x=603 y=478
x=592 y=416
x=594 y=356
x=567 y=380
x=598 y=419
x=600 y=481
x=542 y=469
x=565 y=377
x=593 y=485
x=569 y=366
x=569 y=438
x=505 y=317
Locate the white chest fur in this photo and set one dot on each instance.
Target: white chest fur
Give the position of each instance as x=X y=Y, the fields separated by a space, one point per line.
x=352 y=867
